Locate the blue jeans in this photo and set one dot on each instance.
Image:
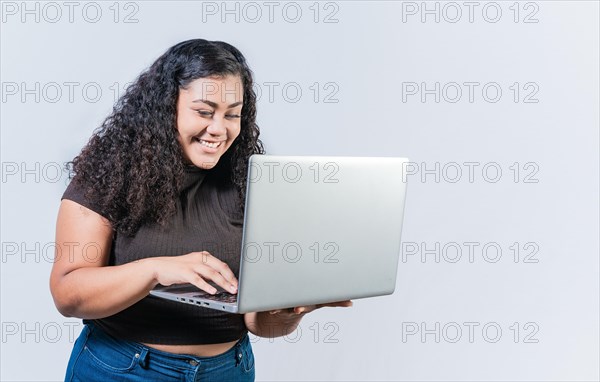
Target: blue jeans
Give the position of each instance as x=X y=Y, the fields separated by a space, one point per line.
x=97 y=356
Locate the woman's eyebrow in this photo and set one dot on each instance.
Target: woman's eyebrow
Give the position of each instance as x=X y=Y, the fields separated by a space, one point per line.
x=212 y=104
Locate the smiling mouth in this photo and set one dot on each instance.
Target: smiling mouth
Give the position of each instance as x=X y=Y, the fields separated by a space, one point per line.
x=212 y=145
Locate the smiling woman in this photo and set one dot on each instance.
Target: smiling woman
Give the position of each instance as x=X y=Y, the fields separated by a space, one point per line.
x=158 y=192
x=159 y=185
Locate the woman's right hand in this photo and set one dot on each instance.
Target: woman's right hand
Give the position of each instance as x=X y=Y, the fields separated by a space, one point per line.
x=196 y=268
x=85 y=286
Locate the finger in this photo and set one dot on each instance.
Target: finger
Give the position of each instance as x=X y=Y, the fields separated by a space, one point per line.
x=346 y=303
x=202 y=284
x=304 y=309
x=213 y=275
x=221 y=267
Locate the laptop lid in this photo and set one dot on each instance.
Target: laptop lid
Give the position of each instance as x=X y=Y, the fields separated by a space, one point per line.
x=320 y=229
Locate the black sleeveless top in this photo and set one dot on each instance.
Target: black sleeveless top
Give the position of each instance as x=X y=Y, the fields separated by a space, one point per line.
x=208 y=219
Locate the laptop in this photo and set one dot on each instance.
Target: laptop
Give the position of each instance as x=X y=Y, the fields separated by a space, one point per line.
x=317 y=229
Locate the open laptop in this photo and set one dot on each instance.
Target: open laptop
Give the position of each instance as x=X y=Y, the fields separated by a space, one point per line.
x=317 y=229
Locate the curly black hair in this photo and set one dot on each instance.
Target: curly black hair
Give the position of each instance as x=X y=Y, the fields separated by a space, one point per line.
x=133 y=166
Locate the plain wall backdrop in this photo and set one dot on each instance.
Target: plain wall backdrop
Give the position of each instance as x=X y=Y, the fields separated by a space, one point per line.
x=494 y=103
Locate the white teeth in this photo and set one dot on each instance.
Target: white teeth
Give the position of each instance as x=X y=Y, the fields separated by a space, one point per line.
x=209 y=144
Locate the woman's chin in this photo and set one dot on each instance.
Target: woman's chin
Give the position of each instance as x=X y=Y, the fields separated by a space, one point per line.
x=204 y=164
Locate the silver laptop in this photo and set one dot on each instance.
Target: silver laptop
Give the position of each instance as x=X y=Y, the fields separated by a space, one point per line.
x=317 y=229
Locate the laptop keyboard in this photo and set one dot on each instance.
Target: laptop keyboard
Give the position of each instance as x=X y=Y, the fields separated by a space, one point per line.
x=220 y=296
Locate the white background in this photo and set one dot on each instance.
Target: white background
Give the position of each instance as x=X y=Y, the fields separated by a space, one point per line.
x=365 y=59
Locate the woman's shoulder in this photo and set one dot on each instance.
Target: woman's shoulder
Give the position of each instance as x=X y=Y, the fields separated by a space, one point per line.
x=76 y=192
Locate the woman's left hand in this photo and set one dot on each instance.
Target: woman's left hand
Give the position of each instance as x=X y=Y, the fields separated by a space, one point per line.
x=301 y=310
x=281 y=322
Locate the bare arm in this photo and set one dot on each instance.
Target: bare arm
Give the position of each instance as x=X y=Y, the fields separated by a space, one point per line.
x=82 y=284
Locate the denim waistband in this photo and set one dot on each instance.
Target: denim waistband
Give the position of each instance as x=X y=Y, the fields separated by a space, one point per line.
x=182 y=361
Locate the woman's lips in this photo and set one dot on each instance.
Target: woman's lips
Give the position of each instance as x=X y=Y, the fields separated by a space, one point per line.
x=207 y=146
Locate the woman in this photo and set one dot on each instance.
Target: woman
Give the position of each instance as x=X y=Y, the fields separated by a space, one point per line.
x=156 y=197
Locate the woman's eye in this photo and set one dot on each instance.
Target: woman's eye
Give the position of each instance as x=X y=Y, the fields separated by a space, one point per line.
x=233 y=116
x=205 y=113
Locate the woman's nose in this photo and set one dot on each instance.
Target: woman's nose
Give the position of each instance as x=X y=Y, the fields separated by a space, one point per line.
x=217 y=126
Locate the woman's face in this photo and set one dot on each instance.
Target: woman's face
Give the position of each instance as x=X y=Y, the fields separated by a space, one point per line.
x=208 y=118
